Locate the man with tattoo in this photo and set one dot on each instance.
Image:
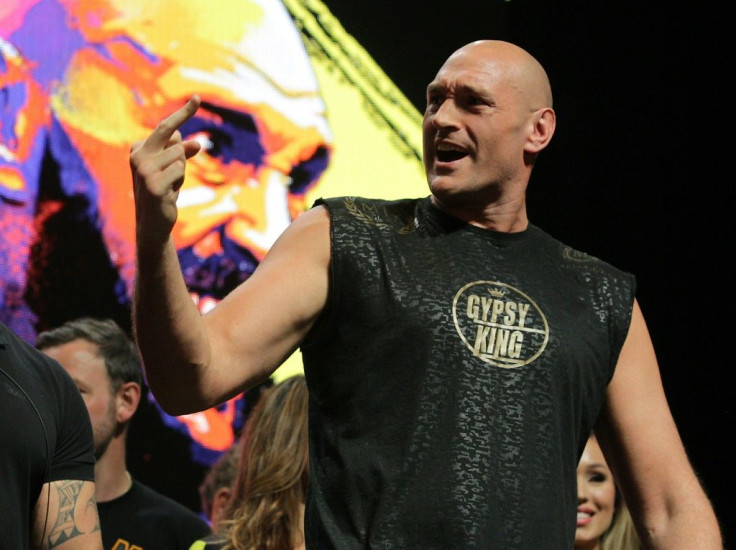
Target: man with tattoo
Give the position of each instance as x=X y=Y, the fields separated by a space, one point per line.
x=104 y=363
x=46 y=454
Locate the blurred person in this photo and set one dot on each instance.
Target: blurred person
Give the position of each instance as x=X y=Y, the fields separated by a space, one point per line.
x=457 y=355
x=103 y=361
x=604 y=521
x=216 y=486
x=82 y=81
x=266 y=505
x=47 y=454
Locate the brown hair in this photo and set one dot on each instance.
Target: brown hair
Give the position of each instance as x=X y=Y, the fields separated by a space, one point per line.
x=265 y=511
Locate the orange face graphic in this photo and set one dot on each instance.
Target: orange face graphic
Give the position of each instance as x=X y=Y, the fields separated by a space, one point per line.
x=83 y=80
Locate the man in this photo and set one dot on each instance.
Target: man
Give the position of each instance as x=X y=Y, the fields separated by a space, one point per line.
x=46 y=455
x=104 y=363
x=457 y=356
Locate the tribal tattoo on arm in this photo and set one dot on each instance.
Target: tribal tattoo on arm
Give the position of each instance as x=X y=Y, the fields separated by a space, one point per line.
x=66 y=516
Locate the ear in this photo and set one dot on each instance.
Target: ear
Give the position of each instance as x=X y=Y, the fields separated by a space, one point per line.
x=127 y=399
x=219 y=502
x=544 y=121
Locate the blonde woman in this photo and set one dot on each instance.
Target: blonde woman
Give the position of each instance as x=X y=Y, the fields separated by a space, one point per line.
x=266 y=507
x=603 y=522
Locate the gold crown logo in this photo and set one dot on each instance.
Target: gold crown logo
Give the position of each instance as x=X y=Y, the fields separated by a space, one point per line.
x=497 y=293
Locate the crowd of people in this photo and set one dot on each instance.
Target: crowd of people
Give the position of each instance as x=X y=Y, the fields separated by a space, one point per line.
x=456 y=359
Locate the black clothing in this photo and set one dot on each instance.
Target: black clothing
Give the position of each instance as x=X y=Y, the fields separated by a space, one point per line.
x=45 y=433
x=143 y=518
x=454 y=377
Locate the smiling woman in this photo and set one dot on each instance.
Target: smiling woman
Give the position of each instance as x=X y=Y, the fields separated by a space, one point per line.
x=604 y=522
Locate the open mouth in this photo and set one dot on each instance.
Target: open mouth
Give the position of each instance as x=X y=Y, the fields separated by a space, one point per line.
x=450 y=153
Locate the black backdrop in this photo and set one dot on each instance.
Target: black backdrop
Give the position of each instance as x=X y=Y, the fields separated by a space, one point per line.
x=635 y=175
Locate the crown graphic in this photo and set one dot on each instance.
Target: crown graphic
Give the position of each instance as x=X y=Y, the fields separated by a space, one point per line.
x=497 y=292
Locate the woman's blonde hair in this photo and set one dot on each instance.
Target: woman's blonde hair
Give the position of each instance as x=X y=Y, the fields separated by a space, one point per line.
x=265 y=511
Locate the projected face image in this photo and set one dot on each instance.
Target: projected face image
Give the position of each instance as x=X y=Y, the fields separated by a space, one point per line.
x=83 y=80
x=110 y=70
x=233 y=204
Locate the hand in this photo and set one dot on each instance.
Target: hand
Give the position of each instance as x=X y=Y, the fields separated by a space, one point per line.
x=158 y=164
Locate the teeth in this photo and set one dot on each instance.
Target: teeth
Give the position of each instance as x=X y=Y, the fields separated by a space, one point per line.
x=583 y=515
x=445 y=147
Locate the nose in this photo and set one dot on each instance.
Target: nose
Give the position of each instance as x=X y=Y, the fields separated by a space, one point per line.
x=582 y=493
x=446 y=115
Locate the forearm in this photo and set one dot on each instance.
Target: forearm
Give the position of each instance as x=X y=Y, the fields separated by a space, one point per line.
x=169 y=331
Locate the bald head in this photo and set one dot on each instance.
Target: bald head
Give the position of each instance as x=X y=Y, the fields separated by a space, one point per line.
x=509 y=63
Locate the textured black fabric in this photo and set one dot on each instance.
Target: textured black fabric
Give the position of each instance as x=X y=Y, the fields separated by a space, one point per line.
x=143 y=518
x=454 y=378
x=45 y=433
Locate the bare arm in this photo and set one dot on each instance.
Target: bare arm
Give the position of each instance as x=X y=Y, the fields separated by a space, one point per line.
x=640 y=439
x=65 y=517
x=193 y=362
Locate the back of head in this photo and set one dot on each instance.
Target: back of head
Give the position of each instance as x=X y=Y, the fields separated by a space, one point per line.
x=267 y=505
x=116 y=348
x=221 y=475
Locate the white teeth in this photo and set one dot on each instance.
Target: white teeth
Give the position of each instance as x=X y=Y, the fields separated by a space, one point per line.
x=583 y=515
x=446 y=147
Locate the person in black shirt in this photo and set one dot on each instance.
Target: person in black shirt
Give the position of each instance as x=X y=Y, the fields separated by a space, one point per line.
x=104 y=363
x=46 y=456
x=457 y=356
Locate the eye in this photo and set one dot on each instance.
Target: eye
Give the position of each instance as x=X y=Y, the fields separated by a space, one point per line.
x=434 y=100
x=598 y=478
x=214 y=142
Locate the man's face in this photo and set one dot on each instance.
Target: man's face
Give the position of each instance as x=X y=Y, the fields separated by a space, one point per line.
x=81 y=360
x=474 y=127
x=233 y=205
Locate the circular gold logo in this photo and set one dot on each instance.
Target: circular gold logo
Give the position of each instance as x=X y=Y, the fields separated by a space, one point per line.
x=500 y=324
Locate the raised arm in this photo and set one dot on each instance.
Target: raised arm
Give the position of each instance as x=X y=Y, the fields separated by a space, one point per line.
x=65 y=517
x=193 y=362
x=640 y=440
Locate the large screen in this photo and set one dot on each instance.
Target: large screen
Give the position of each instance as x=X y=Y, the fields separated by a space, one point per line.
x=290 y=101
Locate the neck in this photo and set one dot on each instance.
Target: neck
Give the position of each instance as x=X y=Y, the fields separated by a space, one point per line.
x=507 y=216
x=112 y=479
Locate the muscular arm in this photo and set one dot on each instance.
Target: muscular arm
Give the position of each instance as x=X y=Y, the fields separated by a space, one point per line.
x=640 y=439
x=65 y=517
x=193 y=362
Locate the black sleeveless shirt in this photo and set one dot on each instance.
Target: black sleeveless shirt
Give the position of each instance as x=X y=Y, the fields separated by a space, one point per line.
x=454 y=377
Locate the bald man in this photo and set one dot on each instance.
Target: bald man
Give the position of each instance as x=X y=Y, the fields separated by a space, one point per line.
x=457 y=355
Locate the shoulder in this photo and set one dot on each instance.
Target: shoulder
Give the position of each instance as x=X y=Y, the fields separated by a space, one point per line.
x=348 y=211
x=573 y=258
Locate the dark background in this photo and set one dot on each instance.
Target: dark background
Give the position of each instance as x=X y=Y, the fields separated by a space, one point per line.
x=635 y=175
x=636 y=172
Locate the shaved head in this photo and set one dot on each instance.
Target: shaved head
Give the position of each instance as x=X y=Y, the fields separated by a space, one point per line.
x=511 y=63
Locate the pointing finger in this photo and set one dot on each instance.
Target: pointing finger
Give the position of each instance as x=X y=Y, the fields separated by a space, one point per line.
x=163 y=133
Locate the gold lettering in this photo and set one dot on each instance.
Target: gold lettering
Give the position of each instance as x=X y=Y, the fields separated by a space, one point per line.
x=501 y=343
x=480 y=340
x=517 y=338
x=523 y=310
x=497 y=310
x=510 y=316
x=472 y=309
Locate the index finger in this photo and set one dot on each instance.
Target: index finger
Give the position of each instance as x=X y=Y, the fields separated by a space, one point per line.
x=166 y=128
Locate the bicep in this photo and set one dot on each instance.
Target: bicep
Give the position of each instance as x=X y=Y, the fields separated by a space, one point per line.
x=65 y=516
x=254 y=329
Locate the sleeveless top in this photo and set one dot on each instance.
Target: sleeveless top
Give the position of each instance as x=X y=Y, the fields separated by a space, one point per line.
x=454 y=377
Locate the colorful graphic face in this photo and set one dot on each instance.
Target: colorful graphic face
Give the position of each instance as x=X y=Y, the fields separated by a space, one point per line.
x=83 y=80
